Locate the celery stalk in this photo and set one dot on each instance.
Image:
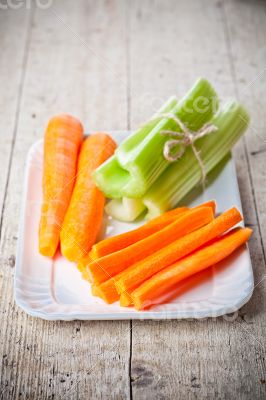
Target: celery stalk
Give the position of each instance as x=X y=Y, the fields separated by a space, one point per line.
x=125 y=209
x=139 y=163
x=182 y=176
x=110 y=177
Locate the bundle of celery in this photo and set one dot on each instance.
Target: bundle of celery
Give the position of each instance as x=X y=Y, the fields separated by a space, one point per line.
x=164 y=185
x=139 y=160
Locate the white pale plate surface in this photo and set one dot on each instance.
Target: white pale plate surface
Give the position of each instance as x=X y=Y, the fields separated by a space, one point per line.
x=54 y=290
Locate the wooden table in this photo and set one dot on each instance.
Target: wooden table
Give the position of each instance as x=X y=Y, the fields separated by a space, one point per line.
x=112 y=63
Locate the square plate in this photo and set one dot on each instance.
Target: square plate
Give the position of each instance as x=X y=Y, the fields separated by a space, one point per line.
x=54 y=290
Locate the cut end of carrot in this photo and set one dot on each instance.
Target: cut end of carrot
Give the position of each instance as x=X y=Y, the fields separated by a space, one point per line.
x=139 y=304
x=125 y=300
x=93 y=253
x=210 y=203
x=106 y=291
x=82 y=264
x=120 y=287
x=48 y=250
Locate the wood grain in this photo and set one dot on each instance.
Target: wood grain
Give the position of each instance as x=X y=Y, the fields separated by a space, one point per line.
x=112 y=63
x=55 y=359
x=214 y=358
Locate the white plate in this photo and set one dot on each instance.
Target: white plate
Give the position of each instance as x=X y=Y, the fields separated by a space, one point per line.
x=54 y=290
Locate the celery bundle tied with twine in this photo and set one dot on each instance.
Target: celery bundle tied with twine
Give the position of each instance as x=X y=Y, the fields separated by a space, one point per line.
x=177 y=164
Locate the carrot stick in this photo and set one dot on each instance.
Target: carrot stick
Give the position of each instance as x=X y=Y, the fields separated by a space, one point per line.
x=118 y=242
x=84 y=215
x=106 y=291
x=82 y=268
x=171 y=213
x=147 y=293
x=62 y=140
x=115 y=243
x=125 y=299
x=104 y=268
x=137 y=273
x=84 y=272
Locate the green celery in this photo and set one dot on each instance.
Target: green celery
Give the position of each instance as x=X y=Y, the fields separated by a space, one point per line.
x=137 y=164
x=110 y=177
x=182 y=176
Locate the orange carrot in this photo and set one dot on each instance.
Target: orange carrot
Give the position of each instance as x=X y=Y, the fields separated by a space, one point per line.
x=84 y=272
x=125 y=299
x=115 y=243
x=82 y=268
x=150 y=291
x=137 y=273
x=106 y=291
x=84 y=215
x=175 y=211
x=62 y=140
x=118 y=242
x=104 y=268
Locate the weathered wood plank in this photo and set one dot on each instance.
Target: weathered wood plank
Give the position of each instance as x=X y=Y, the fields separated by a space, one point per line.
x=171 y=44
x=206 y=359
x=14 y=43
x=76 y=64
x=249 y=63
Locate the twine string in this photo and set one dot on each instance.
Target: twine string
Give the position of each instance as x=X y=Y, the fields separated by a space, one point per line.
x=185 y=138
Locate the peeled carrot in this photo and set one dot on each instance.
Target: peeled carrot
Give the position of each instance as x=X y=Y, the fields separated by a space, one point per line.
x=150 y=291
x=62 y=140
x=175 y=211
x=106 y=291
x=108 y=266
x=118 y=242
x=85 y=212
x=137 y=273
x=82 y=268
x=84 y=273
x=125 y=299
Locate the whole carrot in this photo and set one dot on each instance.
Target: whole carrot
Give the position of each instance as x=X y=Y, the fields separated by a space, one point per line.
x=62 y=140
x=104 y=268
x=84 y=215
x=150 y=291
x=144 y=269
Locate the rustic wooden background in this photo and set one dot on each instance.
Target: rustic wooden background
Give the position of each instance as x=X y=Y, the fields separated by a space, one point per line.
x=112 y=63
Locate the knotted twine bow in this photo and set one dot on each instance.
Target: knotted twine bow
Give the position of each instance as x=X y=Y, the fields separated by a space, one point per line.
x=185 y=138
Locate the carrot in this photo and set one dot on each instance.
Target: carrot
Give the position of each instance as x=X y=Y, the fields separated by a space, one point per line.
x=82 y=268
x=62 y=140
x=151 y=290
x=84 y=272
x=175 y=211
x=125 y=299
x=84 y=215
x=118 y=242
x=137 y=273
x=104 y=268
x=115 y=243
x=106 y=291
